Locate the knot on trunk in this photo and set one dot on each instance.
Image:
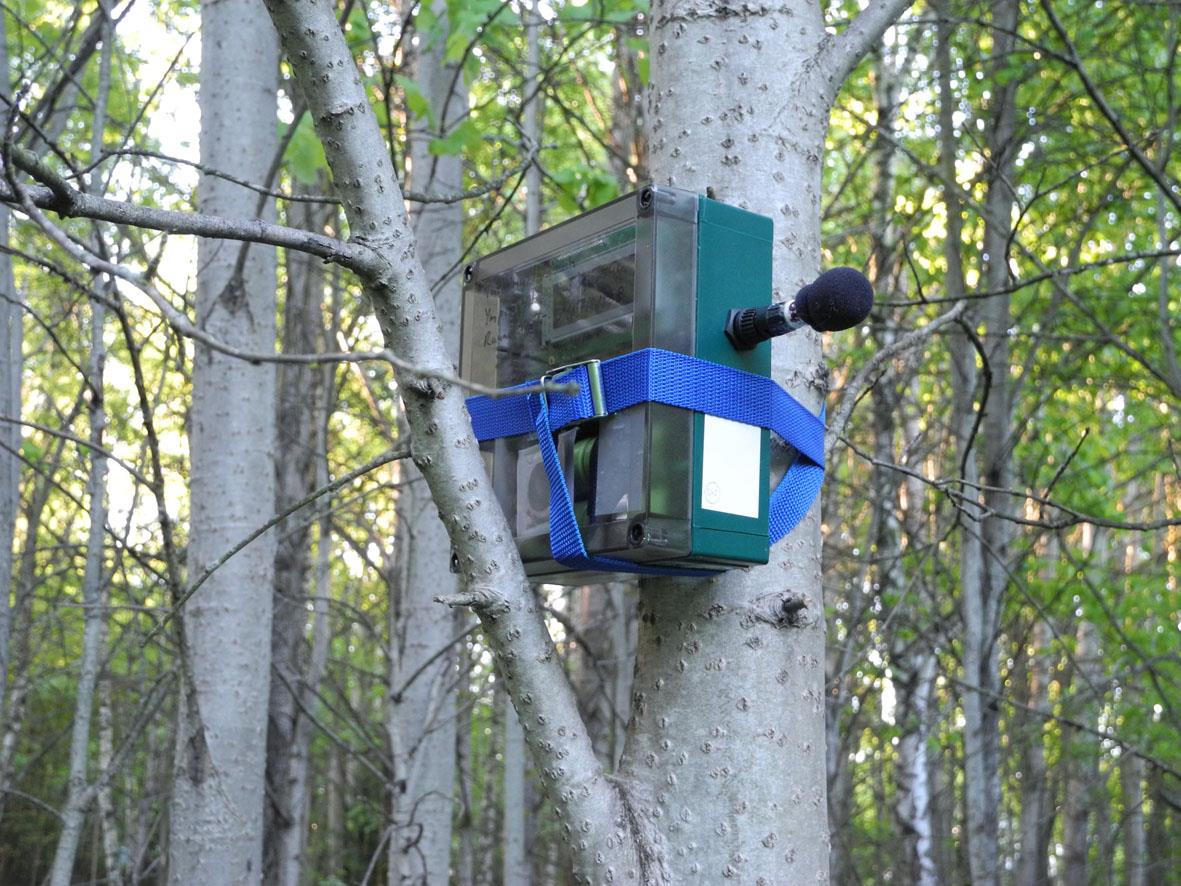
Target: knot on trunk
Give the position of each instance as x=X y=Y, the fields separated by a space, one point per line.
x=786 y=609
x=482 y=600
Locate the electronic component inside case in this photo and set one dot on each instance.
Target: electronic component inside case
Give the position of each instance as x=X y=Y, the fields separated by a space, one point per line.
x=659 y=268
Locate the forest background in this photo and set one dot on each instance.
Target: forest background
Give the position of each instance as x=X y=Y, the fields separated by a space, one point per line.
x=1001 y=509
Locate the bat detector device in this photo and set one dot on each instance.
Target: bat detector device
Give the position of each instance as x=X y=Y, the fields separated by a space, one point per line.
x=642 y=441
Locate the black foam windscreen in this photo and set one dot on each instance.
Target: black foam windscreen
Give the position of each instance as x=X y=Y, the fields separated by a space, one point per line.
x=838 y=299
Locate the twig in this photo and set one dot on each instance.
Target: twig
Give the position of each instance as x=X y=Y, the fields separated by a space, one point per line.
x=66 y=435
x=913 y=339
x=385 y=458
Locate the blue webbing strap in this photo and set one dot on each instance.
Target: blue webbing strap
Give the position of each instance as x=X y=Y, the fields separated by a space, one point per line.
x=656 y=376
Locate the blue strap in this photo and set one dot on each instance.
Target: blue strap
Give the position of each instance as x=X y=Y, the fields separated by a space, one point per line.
x=656 y=376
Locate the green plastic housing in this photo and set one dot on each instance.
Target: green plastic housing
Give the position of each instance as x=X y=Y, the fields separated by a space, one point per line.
x=653 y=484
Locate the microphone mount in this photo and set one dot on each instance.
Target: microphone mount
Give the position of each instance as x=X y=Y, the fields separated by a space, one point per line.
x=839 y=298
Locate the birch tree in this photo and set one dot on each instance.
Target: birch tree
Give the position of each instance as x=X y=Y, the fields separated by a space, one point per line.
x=94 y=578
x=301 y=416
x=917 y=568
x=739 y=108
x=217 y=806
x=11 y=328
x=657 y=823
x=421 y=719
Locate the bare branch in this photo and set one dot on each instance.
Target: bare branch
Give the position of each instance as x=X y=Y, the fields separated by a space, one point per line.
x=73 y=438
x=385 y=458
x=840 y=54
x=59 y=196
x=473 y=193
x=1168 y=188
x=852 y=392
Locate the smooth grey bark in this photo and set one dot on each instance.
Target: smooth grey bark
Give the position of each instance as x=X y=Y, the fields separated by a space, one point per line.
x=1131 y=771
x=422 y=711
x=80 y=794
x=300 y=417
x=840 y=731
x=1032 y=862
x=11 y=364
x=984 y=602
x=913 y=660
x=465 y=837
x=724 y=762
x=516 y=861
x=1082 y=835
x=300 y=775
x=982 y=581
x=334 y=800
x=1081 y=768
x=218 y=786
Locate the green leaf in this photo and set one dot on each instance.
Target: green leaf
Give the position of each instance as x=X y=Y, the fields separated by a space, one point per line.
x=426 y=24
x=305 y=154
x=463 y=135
x=457 y=44
x=416 y=102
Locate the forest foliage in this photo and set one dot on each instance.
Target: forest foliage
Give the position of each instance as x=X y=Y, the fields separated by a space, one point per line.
x=1088 y=648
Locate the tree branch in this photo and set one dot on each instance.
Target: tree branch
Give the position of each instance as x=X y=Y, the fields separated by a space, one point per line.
x=851 y=394
x=444 y=449
x=73 y=438
x=343 y=480
x=1168 y=188
x=840 y=54
x=57 y=195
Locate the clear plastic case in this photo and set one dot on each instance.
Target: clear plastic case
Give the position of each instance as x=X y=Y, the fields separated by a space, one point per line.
x=614 y=280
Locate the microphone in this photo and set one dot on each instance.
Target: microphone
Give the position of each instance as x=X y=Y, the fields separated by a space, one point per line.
x=840 y=298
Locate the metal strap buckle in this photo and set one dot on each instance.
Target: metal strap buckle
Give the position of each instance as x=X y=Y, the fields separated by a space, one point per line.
x=594 y=381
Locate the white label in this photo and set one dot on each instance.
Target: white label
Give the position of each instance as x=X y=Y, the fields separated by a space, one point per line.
x=730 y=467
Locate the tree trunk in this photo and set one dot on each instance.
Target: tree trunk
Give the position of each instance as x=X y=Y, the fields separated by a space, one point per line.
x=1161 y=860
x=115 y=861
x=982 y=582
x=11 y=363
x=1035 y=811
x=78 y=792
x=299 y=419
x=985 y=600
x=217 y=805
x=1081 y=750
x=1133 y=824
x=516 y=859
x=27 y=635
x=725 y=757
x=422 y=712
x=670 y=822
x=628 y=130
x=915 y=803
x=465 y=861
x=300 y=776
